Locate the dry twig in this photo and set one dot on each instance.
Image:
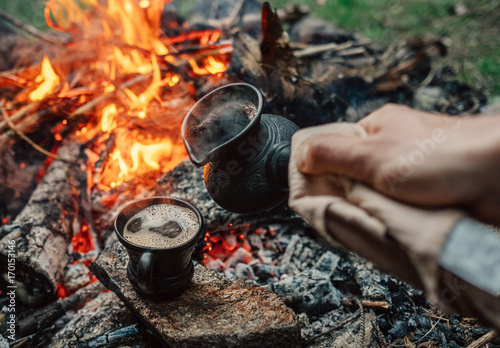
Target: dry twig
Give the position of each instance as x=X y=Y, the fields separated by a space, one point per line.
x=18 y=115
x=31 y=142
x=483 y=340
x=319 y=49
x=367 y=304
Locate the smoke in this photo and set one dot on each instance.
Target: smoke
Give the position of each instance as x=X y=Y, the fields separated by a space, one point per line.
x=218 y=119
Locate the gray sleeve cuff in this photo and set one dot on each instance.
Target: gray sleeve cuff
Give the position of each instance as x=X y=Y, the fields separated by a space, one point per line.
x=472 y=252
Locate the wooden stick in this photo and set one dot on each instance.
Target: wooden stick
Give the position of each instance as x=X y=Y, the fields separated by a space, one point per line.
x=319 y=49
x=236 y=15
x=83 y=109
x=120 y=337
x=367 y=304
x=19 y=115
x=30 y=29
x=31 y=142
x=483 y=340
x=45 y=316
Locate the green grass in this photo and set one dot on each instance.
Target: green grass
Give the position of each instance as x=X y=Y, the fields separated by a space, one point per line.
x=474 y=38
x=28 y=11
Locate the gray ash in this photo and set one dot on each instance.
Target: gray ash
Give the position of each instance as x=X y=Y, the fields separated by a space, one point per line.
x=316 y=280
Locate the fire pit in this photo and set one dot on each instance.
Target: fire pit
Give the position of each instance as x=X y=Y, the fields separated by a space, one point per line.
x=92 y=121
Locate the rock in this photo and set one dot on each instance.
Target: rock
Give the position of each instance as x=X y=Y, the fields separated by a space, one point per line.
x=310 y=291
x=213 y=312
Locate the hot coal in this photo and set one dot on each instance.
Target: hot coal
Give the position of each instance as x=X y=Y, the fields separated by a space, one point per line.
x=170 y=229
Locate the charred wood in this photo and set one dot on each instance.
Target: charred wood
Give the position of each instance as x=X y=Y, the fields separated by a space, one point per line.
x=131 y=336
x=46 y=316
x=43 y=230
x=18 y=176
x=103 y=319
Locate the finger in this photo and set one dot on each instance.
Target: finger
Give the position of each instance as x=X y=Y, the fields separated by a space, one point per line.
x=336 y=154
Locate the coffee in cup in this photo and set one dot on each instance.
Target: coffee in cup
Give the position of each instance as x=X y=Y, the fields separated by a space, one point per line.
x=159 y=235
x=162 y=226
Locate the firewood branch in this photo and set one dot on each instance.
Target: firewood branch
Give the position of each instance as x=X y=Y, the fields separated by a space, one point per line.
x=44 y=317
x=27 y=139
x=483 y=340
x=18 y=115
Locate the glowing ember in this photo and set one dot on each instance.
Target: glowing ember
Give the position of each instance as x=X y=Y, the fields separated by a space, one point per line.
x=48 y=81
x=82 y=242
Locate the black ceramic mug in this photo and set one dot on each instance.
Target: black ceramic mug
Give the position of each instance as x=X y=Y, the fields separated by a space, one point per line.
x=158 y=272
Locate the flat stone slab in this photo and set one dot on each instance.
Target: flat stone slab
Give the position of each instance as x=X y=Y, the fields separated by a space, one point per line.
x=213 y=312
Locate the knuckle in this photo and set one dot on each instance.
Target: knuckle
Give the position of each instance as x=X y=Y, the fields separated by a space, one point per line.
x=317 y=152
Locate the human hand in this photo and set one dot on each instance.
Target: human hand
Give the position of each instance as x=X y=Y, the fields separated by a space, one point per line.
x=417 y=157
x=403 y=240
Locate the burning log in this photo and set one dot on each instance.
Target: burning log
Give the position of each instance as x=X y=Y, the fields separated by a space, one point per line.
x=45 y=316
x=42 y=232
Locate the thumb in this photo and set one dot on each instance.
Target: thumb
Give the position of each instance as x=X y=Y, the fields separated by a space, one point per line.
x=335 y=154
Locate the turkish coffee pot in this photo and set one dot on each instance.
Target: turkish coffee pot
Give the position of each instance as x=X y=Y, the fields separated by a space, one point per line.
x=245 y=153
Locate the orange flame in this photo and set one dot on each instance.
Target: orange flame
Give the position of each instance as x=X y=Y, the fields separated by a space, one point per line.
x=125 y=37
x=142 y=157
x=48 y=81
x=108 y=122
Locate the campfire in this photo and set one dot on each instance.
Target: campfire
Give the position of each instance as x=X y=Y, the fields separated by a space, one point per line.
x=125 y=78
x=116 y=85
x=91 y=119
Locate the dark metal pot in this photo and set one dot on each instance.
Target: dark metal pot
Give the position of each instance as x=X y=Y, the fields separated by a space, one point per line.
x=245 y=152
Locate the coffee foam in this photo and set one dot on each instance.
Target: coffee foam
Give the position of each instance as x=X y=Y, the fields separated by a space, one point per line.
x=156 y=216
